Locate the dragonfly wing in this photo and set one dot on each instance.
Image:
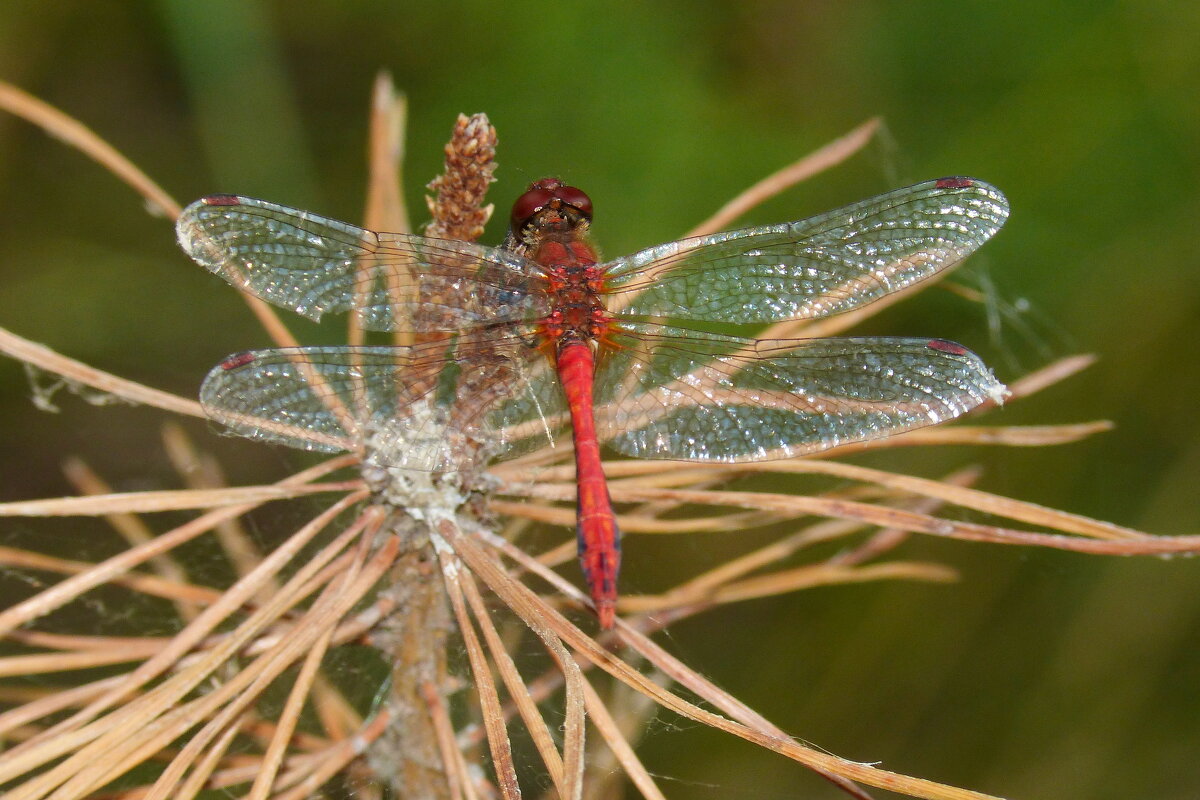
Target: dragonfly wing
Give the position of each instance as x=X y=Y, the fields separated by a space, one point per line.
x=423 y=407
x=673 y=393
x=815 y=267
x=314 y=265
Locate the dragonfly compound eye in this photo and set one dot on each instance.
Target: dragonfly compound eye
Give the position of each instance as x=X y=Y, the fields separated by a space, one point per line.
x=534 y=200
x=575 y=198
x=544 y=192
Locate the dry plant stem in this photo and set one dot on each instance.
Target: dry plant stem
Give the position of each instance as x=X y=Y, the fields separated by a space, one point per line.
x=633 y=523
x=531 y=608
x=965 y=497
x=413 y=638
x=1006 y=436
x=898 y=518
x=88 y=659
x=385 y=208
x=75 y=134
x=792 y=580
x=1049 y=375
x=305 y=684
x=573 y=701
x=53 y=703
x=815 y=162
x=46 y=359
x=667 y=664
x=535 y=725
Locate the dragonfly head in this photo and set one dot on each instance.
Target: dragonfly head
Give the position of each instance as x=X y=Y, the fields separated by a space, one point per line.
x=551 y=204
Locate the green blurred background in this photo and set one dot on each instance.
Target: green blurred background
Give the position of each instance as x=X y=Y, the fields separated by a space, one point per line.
x=1040 y=674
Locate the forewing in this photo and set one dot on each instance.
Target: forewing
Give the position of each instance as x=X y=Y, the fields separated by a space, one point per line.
x=314 y=265
x=672 y=393
x=427 y=407
x=815 y=267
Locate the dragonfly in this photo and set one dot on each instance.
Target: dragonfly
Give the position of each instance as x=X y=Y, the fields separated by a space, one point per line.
x=515 y=344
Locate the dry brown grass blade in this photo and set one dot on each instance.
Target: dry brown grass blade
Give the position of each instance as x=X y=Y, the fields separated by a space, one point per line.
x=77 y=135
x=786 y=582
x=174 y=500
x=138 y=729
x=245 y=687
x=28 y=710
x=129 y=527
x=56 y=741
x=298 y=696
x=830 y=155
x=535 y=725
x=209 y=761
x=794 y=505
x=45 y=663
x=523 y=601
x=685 y=676
x=489 y=700
x=43 y=358
x=235 y=696
x=881 y=542
x=144 y=584
x=336 y=759
x=961 y=496
x=806 y=577
x=964 y=497
x=619 y=745
x=458 y=780
x=1049 y=375
x=201 y=471
x=118 y=565
x=1006 y=436
x=385 y=207
x=632 y=523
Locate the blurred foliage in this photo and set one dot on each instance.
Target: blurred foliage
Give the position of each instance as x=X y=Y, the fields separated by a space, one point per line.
x=1040 y=675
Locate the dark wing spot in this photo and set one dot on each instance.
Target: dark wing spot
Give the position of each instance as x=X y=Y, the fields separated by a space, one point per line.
x=955 y=183
x=238 y=360
x=221 y=200
x=953 y=348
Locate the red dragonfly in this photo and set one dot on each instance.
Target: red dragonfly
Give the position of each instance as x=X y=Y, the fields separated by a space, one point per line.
x=539 y=334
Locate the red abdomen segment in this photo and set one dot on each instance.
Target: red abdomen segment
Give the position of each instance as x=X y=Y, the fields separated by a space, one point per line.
x=596 y=528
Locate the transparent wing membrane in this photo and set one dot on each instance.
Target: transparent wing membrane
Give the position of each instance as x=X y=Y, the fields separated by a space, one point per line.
x=428 y=407
x=674 y=393
x=315 y=266
x=815 y=267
